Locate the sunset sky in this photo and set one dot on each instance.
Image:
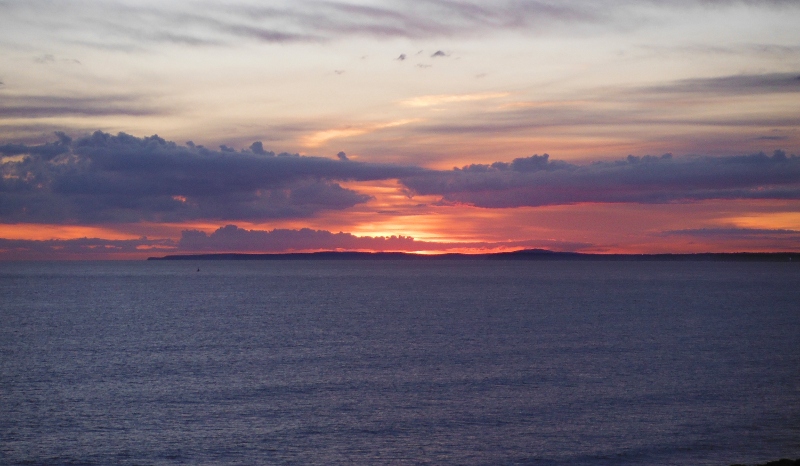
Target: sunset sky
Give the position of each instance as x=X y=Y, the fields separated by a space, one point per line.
x=137 y=128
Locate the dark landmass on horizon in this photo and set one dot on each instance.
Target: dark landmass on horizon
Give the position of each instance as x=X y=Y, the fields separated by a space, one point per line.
x=780 y=462
x=525 y=254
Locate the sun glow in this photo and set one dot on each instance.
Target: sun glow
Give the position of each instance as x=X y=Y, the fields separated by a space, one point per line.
x=770 y=221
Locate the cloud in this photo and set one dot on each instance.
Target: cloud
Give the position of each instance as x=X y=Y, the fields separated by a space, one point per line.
x=539 y=181
x=319 y=138
x=231 y=238
x=44 y=106
x=751 y=238
x=138 y=25
x=736 y=233
x=621 y=110
x=131 y=26
x=772 y=138
x=104 y=178
x=81 y=248
x=46 y=58
x=434 y=100
x=744 y=84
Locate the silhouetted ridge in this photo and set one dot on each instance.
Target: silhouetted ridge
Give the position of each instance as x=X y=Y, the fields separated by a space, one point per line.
x=524 y=254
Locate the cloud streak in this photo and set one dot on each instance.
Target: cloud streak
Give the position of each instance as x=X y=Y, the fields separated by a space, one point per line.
x=43 y=106
x=744 y=84
x=195 y=24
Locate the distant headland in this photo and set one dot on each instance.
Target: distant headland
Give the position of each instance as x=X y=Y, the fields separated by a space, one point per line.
x=525 y=254
x=780 y=462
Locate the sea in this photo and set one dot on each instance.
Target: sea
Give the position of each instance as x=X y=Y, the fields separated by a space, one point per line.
x=399 y=362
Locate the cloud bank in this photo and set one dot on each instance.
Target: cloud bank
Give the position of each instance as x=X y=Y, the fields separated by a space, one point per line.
x=231 y=238
x=539 y=181
x=84 y=248
x=104 y=178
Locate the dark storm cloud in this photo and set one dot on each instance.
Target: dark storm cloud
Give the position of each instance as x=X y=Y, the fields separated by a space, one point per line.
x=106 y=178
x=539 y=181
x=234 y=239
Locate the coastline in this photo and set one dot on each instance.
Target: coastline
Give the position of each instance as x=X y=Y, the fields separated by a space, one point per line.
x=525 y=254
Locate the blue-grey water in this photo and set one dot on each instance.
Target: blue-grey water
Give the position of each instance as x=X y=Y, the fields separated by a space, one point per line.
x=399 y=362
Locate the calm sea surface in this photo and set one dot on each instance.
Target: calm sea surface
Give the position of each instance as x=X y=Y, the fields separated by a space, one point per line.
x=399 y=362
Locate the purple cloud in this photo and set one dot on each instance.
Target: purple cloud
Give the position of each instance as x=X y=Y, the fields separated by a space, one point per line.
x=105 y=178
x=539 y=181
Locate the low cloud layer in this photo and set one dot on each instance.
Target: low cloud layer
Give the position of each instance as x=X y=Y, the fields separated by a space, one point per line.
x=539 y=181
x=231 y=238
x=104 y=178
x=737 y=233
x=84 y=248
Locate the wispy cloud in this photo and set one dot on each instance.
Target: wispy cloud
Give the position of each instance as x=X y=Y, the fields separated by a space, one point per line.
x=193 y=23
x=682 y=103
x=319 y=138
x=734 y=233
x=45 y=106
x=434 y=100
x=744 y=84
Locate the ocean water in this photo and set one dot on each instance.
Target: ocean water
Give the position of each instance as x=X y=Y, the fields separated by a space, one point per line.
x=399 y=362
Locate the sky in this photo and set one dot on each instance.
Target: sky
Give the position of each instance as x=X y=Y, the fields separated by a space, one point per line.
x=131 y=129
